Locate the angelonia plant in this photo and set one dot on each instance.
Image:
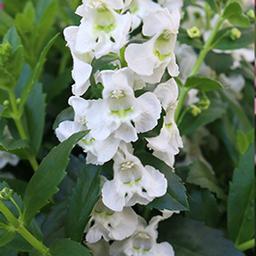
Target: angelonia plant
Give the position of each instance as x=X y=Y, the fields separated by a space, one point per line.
x=119 y=115
x=154 y=154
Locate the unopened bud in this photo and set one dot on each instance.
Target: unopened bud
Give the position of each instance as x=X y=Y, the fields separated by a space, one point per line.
x=195 y=110
x=235 y=34
x=204 y=103
x=251 y=14
x=194 y=32
x=6 y=103
x=6 y=193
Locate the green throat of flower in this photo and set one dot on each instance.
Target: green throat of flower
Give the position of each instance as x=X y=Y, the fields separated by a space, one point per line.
x=122 y=113
x=162 y=46
x=105 y=20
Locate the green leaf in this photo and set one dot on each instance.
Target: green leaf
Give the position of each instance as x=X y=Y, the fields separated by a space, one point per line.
x=35 y=117
x=234 y=14
x=66 y=247
x=43 y=185
x=6 y=236
x=85 y=195
x=243 y=141
x=203 y=84
x=204 y=207
x=191 y=123
x=36 y=72
x=213 y=5
x=201 y=174
x=175 y=198
x=241 y=200
x=226 y=43
x=25 y=20
x=192 y=238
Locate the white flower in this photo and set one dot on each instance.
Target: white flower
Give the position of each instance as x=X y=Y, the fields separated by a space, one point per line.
x=111 y=225
x=98 y=151
x=133 y=183
x=102 y=30
x=150 y=59
x=7 y=158
x=119 y=112
x=169 y=141
x=143 y=242
x=81 y=68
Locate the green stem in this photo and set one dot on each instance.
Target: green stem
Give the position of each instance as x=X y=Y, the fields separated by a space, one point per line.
x=247 y=245
x=207 y=47
x=18 y=122
x=19 y=228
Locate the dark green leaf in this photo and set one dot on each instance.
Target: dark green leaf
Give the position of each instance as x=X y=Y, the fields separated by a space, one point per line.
x=192 y=238
x=203 y=84
x=35 y=117
x=43 y=185
x=201 y=174
x=85 y=195
x=6 y=237
x=234 y=14
x=241 y=200
x=204 y=207
x=66 y=247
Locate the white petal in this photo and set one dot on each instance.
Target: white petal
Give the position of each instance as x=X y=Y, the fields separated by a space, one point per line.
x=164 y=249
x=150 y=112
x=94 y=234
x=79 y=105
x=70 y=34
x=67 y=129
x=127 y=133
x=111 y=198
x=167 y=93
x=156 y=76
x=160 y=183
x=140 y=58
x=173 y=68
x=81 y=73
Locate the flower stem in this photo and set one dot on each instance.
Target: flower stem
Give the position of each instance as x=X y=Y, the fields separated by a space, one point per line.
x=19 y=228
x=247 y=245
x=207 y=47
x=18 y=122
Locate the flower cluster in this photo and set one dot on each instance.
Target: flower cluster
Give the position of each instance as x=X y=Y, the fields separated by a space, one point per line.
x=136 y=94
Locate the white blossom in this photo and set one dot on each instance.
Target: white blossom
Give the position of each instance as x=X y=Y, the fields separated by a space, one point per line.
x=120 y=113
x=168 y=143
x=81 y=63
x=7 y=158
x=150 y=59
x=98 y=151
x=110 y=225
x=100 y=248
x=133 y=183
x=143 y=242
x=102 y=29
x=171 y=4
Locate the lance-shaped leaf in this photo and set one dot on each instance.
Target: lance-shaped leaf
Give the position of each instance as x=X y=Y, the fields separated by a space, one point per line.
x=192 y=238
x=44 y=184
x=85 y=195
x=241 y=200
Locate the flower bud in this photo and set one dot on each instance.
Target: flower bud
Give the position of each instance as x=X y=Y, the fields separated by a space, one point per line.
x=195 y=110
x=194 y=32
x=204 y=103
x=5 y=54
x=6 y=194
x=251 y=14
x=235 y=34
